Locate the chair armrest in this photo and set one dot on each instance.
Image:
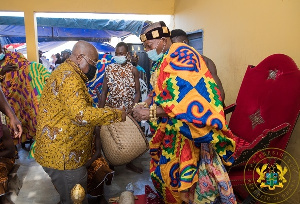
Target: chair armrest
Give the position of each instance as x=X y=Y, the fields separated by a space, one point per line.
x=230 y=108
x=242 y=154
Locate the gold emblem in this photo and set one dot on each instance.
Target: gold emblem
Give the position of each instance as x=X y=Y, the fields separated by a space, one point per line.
x=165 y=29
x=270 y=173
x=143 y=38
x=273 y=176
x=155 y=34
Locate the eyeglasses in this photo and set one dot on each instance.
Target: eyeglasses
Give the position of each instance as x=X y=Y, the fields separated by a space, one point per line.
x=94 y=63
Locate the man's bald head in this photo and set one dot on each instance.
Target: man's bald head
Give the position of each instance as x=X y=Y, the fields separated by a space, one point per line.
x=84 y=54
x=83 y=47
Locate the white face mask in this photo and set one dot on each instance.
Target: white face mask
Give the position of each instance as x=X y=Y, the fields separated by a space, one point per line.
x=120 y=59
x=152 y=54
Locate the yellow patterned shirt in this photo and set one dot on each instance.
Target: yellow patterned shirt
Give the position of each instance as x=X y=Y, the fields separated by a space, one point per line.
x=66 y=120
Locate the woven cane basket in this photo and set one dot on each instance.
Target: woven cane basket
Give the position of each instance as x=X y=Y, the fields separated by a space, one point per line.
x=123 y=142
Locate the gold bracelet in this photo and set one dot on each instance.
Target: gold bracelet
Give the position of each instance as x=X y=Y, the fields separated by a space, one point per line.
x=152 y=114
x=144 y=104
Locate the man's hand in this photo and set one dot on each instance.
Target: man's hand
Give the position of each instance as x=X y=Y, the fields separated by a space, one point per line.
x=129 y=112
x=123 y=114
x=17 y=127
x=8 y=68
x=140 y=113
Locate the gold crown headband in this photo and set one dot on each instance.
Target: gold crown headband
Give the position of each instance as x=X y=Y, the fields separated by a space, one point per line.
x=156 y=33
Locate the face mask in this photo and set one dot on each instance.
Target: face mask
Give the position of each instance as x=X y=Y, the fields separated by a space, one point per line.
x=91 y=73
x=152 y=54
x=2 y=55
x=120 y=59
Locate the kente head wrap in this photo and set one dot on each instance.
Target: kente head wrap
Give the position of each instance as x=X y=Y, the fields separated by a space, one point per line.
x=156 y=33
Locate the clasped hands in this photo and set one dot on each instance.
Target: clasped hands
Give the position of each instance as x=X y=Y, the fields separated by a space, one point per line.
x=139 y=112
x=123 y=114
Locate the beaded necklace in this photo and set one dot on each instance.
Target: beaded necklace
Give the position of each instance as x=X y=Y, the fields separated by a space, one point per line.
x=158 y=63
x=154 y=70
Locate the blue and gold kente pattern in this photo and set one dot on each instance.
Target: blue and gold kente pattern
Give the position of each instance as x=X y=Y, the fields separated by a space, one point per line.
x=189 y=95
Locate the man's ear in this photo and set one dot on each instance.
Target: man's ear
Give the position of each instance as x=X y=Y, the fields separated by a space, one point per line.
x=79 y=57
x=164 y=41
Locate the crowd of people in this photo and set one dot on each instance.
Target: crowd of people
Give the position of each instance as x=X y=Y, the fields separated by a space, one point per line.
x=55 y=59
x=62 y=106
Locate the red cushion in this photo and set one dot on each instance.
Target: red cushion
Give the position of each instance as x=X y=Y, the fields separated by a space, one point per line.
x=237 y=173
x=244 y=150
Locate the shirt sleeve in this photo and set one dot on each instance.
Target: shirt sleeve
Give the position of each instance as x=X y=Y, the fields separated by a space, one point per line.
x=81 y=112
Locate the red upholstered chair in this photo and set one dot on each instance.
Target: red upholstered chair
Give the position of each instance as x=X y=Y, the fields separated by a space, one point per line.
x=265 y=112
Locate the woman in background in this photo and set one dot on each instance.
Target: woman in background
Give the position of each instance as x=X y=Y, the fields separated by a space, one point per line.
x=7 y=149
x=121 y=86
x=22 y=83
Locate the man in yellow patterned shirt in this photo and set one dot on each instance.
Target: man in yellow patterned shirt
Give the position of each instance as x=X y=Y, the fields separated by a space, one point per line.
x=66 y=121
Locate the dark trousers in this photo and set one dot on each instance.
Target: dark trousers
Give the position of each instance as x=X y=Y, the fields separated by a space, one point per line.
x=65 y=180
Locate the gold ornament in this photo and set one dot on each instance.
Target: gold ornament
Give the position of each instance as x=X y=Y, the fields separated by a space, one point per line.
x=77 y=194
x=165 y=29
x=144 y=104
x=155 y=34
x=143 y=38
x=152 y=113
x=153 y=79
